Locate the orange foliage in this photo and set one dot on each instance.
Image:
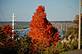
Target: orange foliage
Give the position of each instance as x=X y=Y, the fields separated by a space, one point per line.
x=41 y=30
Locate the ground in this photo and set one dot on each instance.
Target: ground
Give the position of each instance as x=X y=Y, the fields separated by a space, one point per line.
x=73 y=52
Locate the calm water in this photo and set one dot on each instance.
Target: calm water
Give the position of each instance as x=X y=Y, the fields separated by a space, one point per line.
x=22 y=32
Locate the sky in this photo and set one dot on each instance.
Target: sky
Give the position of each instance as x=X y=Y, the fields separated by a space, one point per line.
x=56 y=10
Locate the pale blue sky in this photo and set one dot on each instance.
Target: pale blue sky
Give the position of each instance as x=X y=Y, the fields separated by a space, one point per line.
x=56 y=10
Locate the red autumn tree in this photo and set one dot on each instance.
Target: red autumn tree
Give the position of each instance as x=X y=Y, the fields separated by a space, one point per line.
x=7 y=29
x=5 y=36
x=41 y=31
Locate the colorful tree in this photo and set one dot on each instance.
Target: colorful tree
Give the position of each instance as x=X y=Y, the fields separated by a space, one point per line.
x=6 y=36
x=41 y=31
x=7 y=29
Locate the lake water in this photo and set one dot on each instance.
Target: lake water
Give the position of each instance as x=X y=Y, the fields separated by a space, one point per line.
x=22 y=32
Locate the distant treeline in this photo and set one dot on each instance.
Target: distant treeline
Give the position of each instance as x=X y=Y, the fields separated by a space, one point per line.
x=17 y=25
x=20 y=24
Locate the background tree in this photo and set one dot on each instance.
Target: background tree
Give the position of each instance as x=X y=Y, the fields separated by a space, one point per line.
x=6 y=36
x=76 y=20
